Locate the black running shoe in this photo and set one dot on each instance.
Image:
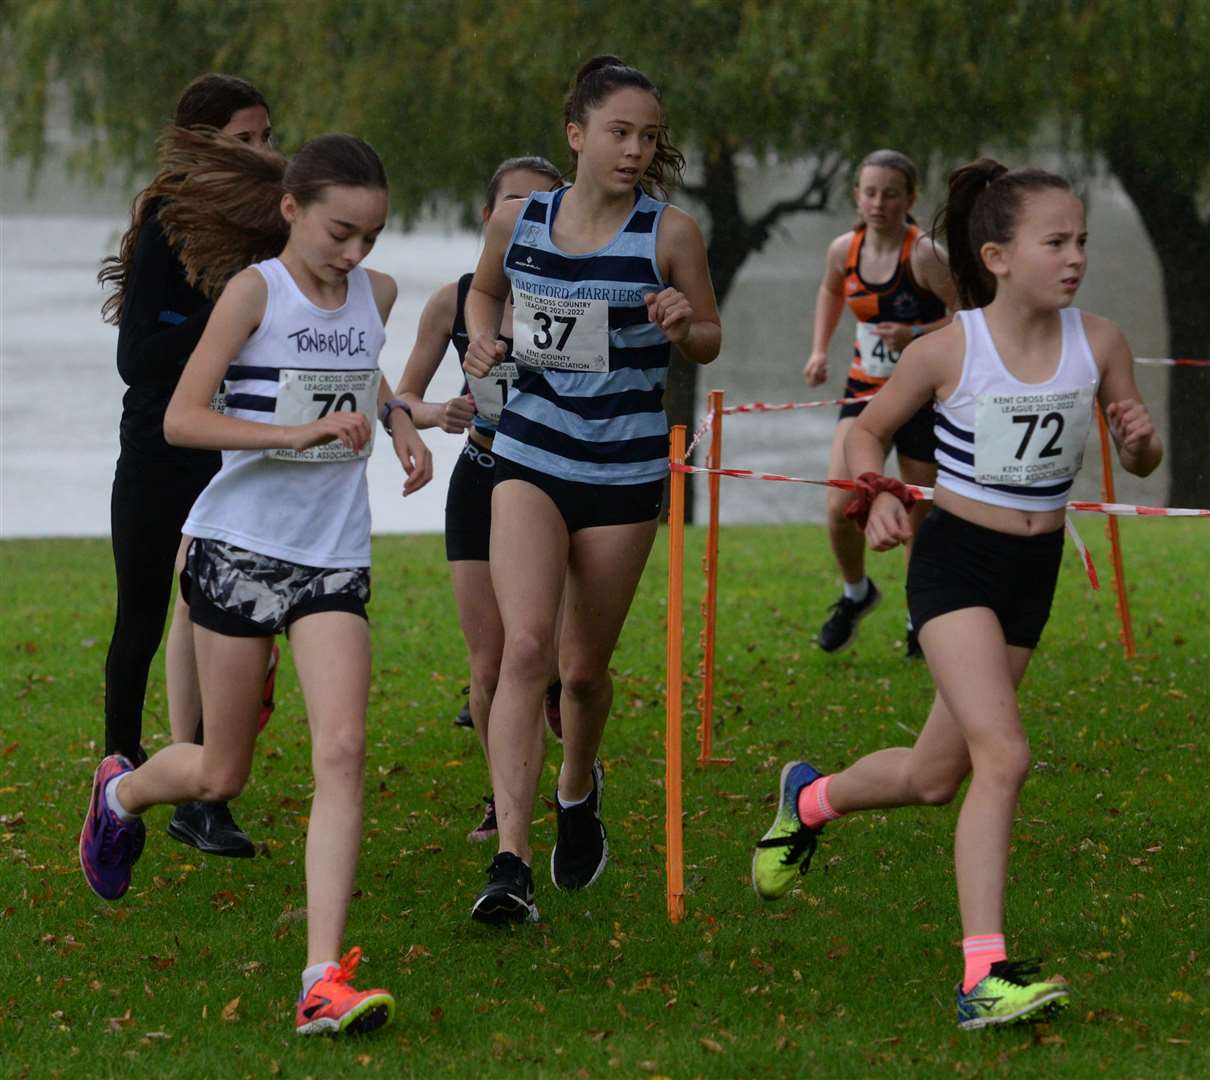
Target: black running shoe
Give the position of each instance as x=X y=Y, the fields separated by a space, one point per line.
x=913 y=650
x=463 y=719
x=508 y=896
x=581 y=848
x=486 y=829
x=840 y=630
x=209 y=827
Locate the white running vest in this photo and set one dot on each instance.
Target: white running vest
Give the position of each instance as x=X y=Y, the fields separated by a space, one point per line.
x=1009 y=443
x=302 y=362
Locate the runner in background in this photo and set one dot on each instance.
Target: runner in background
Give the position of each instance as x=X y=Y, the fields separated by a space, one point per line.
x=468 y=507
x=896 y=282
x=160 y=318
x=1014 y=381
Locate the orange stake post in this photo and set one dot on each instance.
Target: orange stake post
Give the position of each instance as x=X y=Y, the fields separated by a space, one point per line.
x=714 y=460
x=1115 y=544
x=674 y=856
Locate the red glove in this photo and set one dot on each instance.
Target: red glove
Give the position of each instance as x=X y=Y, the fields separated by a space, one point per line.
x=867 y=487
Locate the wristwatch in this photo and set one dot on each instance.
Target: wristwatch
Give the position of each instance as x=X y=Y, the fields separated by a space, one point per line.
x=389 y=407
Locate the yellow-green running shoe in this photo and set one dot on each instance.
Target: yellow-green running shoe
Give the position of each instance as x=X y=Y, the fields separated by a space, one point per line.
x=785 y=851
x=1005 y=996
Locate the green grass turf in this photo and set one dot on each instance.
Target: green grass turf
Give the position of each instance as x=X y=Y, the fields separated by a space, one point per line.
x=195 y=972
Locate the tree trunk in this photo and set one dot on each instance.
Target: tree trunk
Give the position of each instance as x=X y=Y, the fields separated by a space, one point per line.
x=731 y=240
x=1182 y=243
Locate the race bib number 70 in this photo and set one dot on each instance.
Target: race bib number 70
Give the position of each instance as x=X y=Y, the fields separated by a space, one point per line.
x=305 y=395
x=561 y=333
x=1024 y=438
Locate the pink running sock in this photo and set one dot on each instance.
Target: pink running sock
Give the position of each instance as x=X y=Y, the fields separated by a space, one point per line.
x=814 y=809
x=980 y=952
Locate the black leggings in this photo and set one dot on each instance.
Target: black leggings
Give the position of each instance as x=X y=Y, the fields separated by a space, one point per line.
x=148 y=507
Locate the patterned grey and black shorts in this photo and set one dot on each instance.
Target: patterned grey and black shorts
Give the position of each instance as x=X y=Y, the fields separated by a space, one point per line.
x=242 y=594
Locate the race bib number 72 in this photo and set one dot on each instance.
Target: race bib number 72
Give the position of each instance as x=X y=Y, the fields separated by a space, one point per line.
x=305 y=395
x=1024 y=438
x=561 y=333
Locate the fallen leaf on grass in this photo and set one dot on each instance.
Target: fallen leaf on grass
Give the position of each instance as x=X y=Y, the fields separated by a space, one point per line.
x=599 y=1034
x=231 y=1010
x=118 y=1023
x=415 y=952
x=711 y=1045
x=436 y=1013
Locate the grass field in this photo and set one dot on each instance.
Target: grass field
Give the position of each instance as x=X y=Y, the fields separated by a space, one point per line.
x=194 y=973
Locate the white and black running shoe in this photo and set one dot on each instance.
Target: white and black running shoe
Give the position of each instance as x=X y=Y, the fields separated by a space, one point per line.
x=508 y=896
x=840 y=629
x=582 y=847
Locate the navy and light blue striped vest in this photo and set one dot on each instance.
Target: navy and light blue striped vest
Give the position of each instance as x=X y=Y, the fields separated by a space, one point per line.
x=603 y=427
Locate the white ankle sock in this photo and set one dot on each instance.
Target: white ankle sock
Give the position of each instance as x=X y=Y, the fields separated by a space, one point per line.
x=857 y=593
x=311 y=975
x=115 y=804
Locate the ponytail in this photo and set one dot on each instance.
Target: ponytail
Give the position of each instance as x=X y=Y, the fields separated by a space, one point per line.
x=983 y=207
x=595 y=81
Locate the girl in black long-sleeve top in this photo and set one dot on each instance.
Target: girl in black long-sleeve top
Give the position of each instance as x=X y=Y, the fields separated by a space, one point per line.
x=161 y=317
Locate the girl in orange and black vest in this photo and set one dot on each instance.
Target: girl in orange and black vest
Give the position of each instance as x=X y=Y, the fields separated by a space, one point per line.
x=896 y=282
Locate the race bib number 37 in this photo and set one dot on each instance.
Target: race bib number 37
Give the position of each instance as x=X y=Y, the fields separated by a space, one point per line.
x=878 y=359
x=1025 y=438
x=306 y=395
x=555 y=332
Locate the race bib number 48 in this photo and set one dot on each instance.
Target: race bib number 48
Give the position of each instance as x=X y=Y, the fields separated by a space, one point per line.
x=1024 y=438
x=491 y=393
x=306 y=395
x=878 y=359
x=560 y=333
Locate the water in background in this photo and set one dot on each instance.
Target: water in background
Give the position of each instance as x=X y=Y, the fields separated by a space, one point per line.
x=60 y=394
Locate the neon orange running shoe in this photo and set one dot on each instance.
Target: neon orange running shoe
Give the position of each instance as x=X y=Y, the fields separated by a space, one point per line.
x=333 y=1007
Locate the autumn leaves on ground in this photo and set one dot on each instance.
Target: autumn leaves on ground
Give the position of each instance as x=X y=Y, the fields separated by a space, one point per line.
x=195 y=971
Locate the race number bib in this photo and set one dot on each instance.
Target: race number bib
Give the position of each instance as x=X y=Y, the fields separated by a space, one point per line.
x=307 y=395
x=491 y=393
x=878 y=359
x=553 y=332
x=1024 y=438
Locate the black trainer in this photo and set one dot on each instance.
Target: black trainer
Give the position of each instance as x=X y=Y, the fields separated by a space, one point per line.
x=913 y=650
x=582 y=847
x=209 y=827
x=463 y=719
x=508 y=896
x=840 y=630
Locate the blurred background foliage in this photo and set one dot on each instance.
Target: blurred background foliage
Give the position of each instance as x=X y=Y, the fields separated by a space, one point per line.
x=444 y=90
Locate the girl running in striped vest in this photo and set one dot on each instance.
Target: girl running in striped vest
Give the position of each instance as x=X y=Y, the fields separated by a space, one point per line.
x=1014 y=380
x=604 y=280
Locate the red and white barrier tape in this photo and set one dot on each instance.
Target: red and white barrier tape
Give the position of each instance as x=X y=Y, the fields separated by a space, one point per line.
x=1082 y=550
x=700 y=434
x=1168 y=361
x=1114 y=509
x=761 y=406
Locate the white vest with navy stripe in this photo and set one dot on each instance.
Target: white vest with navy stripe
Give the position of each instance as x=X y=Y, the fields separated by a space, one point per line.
x=603 y=427
x=1042 y=426
x=313 y=514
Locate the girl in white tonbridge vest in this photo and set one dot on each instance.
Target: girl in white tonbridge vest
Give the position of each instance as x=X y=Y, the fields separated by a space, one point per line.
x=1014 y=380
x=282 y=539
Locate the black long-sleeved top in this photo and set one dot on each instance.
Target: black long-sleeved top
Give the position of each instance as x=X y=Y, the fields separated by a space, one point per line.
x=163 y=317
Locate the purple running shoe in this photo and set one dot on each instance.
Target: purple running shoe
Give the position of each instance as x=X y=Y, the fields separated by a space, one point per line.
x=109 y=848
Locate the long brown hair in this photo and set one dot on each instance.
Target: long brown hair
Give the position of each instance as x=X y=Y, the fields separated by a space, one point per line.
x=222 y=209
x=983 y=206
x=207 y=103
x=595 y=81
